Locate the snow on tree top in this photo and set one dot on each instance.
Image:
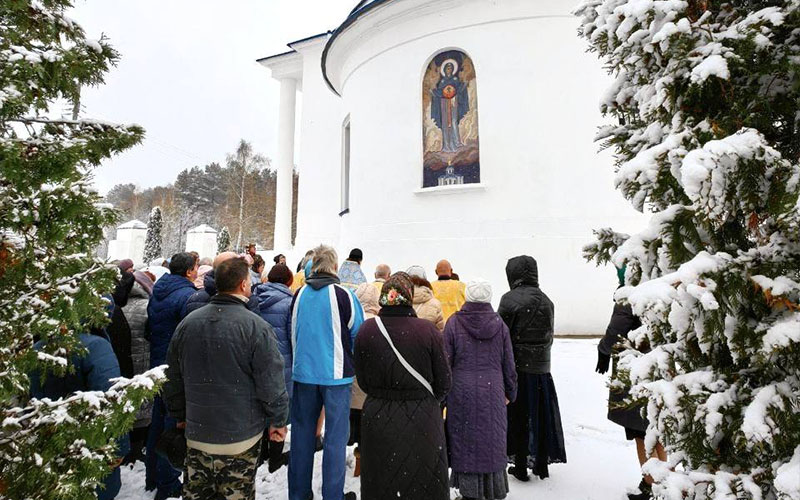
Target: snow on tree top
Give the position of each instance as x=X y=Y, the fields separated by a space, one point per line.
x=133 y=224
x=203 y=228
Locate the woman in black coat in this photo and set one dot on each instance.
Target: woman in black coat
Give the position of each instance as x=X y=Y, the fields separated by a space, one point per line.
x=535 y=435
x=403 y=451
x=623 y=321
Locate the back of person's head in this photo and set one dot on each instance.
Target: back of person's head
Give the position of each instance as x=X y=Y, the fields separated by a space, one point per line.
x=206 y=261
x=280 y=274
x=383 y=272
x=418 y=271
x=356 y=255
x=182 y=263
x=420 y=282
x=302 y=265
x=258 y=263
x=443 y=268
x=479 y=290
x=230 y=274
x=325 y=260
x=220 y=258
x=277 y=258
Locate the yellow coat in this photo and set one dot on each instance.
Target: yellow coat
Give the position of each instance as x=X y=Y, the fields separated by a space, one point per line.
x=452 y=295
x=298 y=281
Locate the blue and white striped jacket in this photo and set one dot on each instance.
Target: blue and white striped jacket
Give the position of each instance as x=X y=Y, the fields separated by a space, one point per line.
x=325 y=320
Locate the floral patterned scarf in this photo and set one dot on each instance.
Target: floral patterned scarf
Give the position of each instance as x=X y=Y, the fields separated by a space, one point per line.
x=397 y=291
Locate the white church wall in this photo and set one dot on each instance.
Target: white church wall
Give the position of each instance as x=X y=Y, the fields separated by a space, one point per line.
x=319 y=155
x=129 y=243
x=545 y=187
x=203 y=240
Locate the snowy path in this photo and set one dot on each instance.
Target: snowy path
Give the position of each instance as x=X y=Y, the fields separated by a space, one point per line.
x=601 y=464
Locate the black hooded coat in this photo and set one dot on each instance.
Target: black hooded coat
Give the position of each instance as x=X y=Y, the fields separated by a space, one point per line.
x=529 y=314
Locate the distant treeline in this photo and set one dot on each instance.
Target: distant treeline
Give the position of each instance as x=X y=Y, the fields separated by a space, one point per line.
x=239 y=195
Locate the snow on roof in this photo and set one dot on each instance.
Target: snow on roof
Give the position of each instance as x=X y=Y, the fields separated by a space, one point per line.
x=203 y=228
x=133 y=224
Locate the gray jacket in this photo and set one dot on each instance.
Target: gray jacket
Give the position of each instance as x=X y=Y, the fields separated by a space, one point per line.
x=225 y=375
x=135 y=312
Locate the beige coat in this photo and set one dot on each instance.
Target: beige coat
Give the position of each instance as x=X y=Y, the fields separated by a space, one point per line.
x=428 y=307
x=367 y=294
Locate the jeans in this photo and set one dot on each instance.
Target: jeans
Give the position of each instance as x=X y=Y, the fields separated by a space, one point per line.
x=158 y=471
x=307 y=402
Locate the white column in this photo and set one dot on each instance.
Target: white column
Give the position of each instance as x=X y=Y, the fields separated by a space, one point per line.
x=283 y=195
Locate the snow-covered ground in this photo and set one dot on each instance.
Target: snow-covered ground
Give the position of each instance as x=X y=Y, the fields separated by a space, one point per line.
x=601 y=464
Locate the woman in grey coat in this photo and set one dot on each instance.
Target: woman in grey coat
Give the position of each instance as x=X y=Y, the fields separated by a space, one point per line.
x=135 y=312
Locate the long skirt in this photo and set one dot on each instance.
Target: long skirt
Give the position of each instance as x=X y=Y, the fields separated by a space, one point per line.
x=403 y=451
x=535 y=435
x=492 y=486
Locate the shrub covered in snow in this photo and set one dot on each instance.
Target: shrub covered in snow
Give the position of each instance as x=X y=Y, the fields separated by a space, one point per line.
x=706 y=105
x=152 y=242
x=51 y=286
x=224 y=240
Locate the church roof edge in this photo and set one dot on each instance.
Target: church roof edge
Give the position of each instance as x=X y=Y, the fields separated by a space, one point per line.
x=360 y=9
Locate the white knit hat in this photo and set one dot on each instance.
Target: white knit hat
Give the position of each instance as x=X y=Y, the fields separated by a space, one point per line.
x=417 y=271
x=479 y=290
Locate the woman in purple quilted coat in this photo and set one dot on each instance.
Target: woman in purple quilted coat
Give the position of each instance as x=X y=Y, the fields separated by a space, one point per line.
x=479 y=348
x=403 y=451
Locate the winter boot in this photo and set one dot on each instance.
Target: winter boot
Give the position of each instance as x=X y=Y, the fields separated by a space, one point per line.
x=520 y=468
x=645 y=492
x=357 y=454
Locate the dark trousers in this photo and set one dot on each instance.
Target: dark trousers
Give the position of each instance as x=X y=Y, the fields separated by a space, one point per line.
x=158 y=471
x=307 y=402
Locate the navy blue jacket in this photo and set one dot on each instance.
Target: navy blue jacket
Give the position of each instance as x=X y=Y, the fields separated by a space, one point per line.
x=93 y=372
x=203 y=296
x=275 y=306
x=165 y=310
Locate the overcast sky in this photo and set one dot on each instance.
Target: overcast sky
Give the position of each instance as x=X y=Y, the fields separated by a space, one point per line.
x=188 y=75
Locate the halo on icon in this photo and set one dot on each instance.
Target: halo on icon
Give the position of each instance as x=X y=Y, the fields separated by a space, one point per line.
x=445 y=63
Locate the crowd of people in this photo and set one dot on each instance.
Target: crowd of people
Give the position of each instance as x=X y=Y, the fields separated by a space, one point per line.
x=433 y=387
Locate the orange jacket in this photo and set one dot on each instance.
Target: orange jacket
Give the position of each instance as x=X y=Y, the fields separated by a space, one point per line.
x=452 y=295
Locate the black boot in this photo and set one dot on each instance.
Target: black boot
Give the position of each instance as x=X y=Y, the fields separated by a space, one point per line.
x=645 y=492
x=520 y=468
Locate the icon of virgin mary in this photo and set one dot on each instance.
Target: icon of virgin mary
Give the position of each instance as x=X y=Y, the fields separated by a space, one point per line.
x=449 y=105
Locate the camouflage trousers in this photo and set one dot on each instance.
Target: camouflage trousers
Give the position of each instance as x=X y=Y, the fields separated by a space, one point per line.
x=214 y=477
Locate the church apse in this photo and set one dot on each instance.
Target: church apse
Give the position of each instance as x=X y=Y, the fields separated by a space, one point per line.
x=450 y=121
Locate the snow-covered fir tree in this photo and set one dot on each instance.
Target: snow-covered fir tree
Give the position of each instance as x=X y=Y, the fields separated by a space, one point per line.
x=152 y=242
x=224 y=240
x=706 y=110
x=51 y=286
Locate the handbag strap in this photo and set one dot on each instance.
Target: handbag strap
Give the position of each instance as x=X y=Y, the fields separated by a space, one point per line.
x=414 y=373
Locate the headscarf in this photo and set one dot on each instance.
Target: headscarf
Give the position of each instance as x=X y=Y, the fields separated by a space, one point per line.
x=368 y=296
x=417 y=271
x=201 y=275
x=145 y=281
x=479 y=290
x=397 y=291
x=158 y=271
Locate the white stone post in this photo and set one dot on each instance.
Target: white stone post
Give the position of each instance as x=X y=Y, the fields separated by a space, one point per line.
x=283 y=195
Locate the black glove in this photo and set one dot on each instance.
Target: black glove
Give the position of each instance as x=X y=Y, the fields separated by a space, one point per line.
x=602 y=362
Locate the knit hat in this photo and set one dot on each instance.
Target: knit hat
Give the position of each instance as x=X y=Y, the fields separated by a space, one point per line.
x=356 y=254
x=479 y=290
x=417 y=271
x=397 y=291
x=157 y=271
x=125 y=264
x=280 y=274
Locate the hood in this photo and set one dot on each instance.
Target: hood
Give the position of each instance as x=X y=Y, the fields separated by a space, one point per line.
x=479 y=320
x=209 y=284
x=321 y=280
x=422 y=294
x=522 y=270
x=168 y=284
x=270 y=294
